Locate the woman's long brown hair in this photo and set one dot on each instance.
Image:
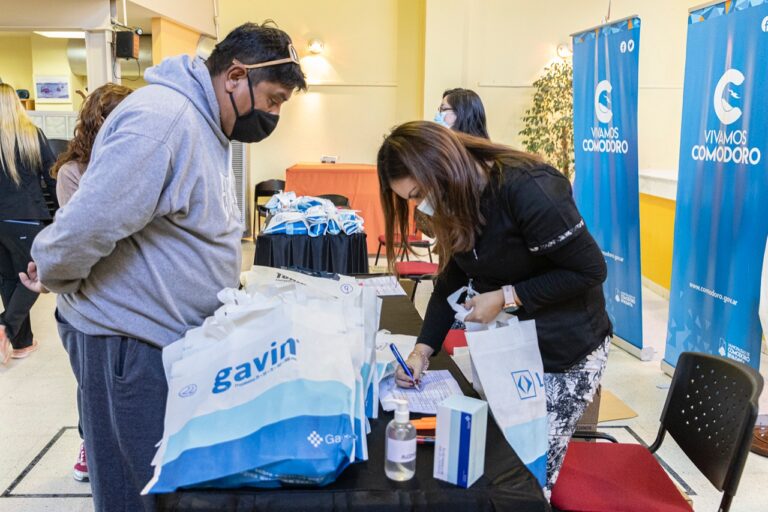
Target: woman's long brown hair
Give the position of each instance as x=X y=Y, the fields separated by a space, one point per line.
x=96 y=107
x=451 y=169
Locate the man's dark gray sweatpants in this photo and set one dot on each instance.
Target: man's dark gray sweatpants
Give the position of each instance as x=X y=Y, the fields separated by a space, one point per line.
x=122 y=390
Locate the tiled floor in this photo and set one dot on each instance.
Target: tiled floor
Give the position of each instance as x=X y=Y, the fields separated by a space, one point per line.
x=37 y=409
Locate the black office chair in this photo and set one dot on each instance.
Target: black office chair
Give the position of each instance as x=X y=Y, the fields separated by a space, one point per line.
x=337 y=199
x=266 y=188
x=710 y=412
x=58 y=146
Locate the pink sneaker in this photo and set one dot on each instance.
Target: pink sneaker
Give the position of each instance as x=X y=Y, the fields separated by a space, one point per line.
x=6 y=349
x=81 y=466
x=21 y=353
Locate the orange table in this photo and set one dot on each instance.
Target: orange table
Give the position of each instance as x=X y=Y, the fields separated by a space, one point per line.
x=358 y=182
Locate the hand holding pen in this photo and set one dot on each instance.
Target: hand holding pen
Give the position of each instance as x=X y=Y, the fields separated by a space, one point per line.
x=416 y=364
x=403 y=366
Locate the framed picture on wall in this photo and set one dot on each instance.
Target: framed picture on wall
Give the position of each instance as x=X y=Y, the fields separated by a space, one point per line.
x=52 y=89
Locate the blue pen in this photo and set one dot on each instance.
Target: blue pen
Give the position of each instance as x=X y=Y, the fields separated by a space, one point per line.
x=402 y=363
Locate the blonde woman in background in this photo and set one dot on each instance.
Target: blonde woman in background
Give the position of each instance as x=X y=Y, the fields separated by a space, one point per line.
x=25 y=159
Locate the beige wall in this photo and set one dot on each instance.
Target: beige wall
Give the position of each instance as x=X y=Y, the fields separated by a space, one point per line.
x=367 y=80
x=49 y=57
x=498 y=47
x=16 y=61
x=197 y=15
x=54 y=14
x=170 y=39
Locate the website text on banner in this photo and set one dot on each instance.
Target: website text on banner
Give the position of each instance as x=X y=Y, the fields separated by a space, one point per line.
x=720 y=222
x=605 y=75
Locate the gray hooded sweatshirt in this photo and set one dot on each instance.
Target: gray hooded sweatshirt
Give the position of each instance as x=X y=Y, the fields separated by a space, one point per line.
x=153 y=232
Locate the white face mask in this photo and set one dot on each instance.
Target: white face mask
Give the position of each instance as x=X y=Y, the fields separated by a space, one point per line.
x=426 y=207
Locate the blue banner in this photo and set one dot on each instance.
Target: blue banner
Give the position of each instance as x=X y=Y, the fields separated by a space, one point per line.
x=720 y=222
x=605 y=62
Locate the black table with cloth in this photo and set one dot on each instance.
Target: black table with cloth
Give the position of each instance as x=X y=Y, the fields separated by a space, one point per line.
x=505 y=486
x=342 y=254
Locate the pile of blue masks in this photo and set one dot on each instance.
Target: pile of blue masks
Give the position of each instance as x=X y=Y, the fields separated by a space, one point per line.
x=312 y=216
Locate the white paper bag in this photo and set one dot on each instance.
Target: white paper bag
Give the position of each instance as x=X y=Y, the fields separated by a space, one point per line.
x=508 y=367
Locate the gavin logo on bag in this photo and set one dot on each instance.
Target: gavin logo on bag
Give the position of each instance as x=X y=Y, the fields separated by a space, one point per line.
x=249 y=371
x=524 y=384
x=316 y=440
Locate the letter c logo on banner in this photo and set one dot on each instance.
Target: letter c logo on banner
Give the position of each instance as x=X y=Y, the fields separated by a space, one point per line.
x=764 y=24
x=727 y=113
x=603 y=111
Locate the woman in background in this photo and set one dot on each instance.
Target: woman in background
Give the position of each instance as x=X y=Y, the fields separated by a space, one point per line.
x=71 y=164
x=68 y=170
x=25 y=159
x=462 y=111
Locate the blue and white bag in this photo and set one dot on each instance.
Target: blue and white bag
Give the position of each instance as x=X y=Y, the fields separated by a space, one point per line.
x=269 y=390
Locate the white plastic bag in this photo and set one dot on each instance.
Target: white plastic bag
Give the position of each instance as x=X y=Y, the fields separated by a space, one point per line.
x=264 y=393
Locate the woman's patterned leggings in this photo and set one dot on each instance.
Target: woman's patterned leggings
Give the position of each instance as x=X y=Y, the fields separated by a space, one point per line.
x=568 y=394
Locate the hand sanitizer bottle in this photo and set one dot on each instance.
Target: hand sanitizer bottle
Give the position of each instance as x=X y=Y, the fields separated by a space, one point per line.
x=400 y=451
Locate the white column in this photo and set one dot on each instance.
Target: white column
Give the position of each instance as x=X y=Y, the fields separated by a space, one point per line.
x=99 y=60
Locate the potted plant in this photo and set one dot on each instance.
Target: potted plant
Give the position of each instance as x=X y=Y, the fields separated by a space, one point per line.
x=548 y=122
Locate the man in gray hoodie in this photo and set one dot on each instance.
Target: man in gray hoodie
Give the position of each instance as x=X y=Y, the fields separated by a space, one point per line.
x=150 y=237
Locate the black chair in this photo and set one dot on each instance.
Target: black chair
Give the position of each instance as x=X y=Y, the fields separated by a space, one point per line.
x=58 y=146
x=710 y=412
x=337 y=199
x=415 y=240
x=266 y=188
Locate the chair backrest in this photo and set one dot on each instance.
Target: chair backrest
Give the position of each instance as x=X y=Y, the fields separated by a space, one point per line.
x=268 y=188
x=336 y=199
x=57 y=146
x=710 y=411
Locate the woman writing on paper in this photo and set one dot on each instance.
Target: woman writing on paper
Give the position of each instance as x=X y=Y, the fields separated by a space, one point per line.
x=508 y=222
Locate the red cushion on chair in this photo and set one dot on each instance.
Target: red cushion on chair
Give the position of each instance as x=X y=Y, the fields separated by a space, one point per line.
x=608 y=477
x=415 y=268
x=454 y=339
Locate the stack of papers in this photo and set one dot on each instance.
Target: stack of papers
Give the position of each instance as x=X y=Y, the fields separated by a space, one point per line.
x=435 y=386
x=385 y=285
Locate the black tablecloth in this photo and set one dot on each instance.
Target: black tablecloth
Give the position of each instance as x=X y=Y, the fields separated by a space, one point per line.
x=342 y=254
x=506 y=485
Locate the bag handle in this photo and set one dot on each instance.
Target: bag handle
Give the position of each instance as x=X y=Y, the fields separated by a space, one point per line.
x=462 y=313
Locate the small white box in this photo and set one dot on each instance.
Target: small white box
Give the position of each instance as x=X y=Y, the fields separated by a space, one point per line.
x=460 y=440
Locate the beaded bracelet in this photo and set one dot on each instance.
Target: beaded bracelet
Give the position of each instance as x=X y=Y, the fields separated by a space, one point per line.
x=424 y=359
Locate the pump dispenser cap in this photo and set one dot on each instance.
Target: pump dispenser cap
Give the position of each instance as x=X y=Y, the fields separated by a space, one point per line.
x=401 y=411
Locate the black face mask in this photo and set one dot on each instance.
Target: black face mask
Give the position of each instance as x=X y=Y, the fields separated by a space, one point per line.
x=254 y=126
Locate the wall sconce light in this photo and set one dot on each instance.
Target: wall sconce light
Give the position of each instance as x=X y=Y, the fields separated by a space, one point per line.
x=564 y=51
x=316 y=46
